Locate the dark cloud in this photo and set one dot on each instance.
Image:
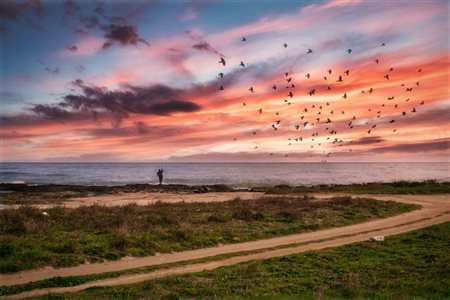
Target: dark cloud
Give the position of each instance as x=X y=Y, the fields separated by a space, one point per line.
x=81 y=31
x=71 y=7
x=139 y=132
x=51 y=112
x=72 y=48
x=245 y=157
x=434 y=145
x=174 y=106
x=368 y=140
x=123 y=34
x=99 y=10
x=151 y=100
x=142 y=127
x=37 y=7
x=119 y=20
x=86 y=157
x=116 y=28
x=12 y=10
x=89 y=22
x=204 y=46
x=54 y=71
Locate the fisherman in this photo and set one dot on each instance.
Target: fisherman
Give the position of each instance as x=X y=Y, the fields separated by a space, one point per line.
x=160 y=175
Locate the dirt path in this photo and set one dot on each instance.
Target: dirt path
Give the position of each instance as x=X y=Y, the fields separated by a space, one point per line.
x=435 y=210
x=146 y=198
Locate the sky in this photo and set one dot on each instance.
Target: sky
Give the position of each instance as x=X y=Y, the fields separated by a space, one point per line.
x=305 y=81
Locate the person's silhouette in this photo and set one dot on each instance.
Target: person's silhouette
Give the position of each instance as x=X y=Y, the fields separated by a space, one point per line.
x=160 y=175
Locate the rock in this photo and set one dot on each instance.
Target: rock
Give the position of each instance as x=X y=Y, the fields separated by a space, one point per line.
x=378 y=238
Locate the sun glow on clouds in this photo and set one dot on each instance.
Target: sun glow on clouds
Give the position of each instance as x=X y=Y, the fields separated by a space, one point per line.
x=192 y=118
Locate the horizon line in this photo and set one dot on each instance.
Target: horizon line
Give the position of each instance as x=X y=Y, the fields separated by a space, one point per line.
x=212 y=162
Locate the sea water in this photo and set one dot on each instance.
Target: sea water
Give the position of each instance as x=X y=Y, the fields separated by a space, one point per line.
x=232 y=174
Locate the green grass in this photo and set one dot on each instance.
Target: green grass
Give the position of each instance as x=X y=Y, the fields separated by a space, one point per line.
x=68 y=237
x=408 y=266
x=400 y=188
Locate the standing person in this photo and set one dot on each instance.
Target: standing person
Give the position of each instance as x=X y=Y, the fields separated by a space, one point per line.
x=160 y=175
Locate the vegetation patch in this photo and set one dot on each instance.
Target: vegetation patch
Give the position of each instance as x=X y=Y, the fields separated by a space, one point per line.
x=68 y=237
x=408 y=266
x=428 y=187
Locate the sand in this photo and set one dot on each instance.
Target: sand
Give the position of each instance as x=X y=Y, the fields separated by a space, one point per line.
x=146 y=198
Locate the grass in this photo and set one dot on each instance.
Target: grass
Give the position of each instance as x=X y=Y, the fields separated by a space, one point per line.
x=408 y=266
x=428 y=187
x=78 y=280
x=68 y=237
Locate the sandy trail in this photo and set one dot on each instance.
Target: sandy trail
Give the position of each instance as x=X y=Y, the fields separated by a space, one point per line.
x=435 y=209
x=146 y=198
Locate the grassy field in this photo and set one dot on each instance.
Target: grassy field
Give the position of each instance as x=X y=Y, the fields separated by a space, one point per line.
x=408 y=266
x=399 y=188
x=68 y=237
x=24 y=194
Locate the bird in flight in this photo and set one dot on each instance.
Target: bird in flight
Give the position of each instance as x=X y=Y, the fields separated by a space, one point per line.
x=322 y=116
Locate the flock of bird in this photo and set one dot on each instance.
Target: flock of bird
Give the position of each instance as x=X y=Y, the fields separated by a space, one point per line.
x=317 y=123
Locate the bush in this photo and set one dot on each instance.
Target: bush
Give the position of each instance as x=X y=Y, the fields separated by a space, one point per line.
x=6 y=249
x=64 y=247
x=217 y=218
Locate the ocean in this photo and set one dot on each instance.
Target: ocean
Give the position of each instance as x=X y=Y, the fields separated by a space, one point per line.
x=239 y=175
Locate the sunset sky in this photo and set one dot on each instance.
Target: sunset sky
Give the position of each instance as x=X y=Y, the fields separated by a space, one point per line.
x=139 y=81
